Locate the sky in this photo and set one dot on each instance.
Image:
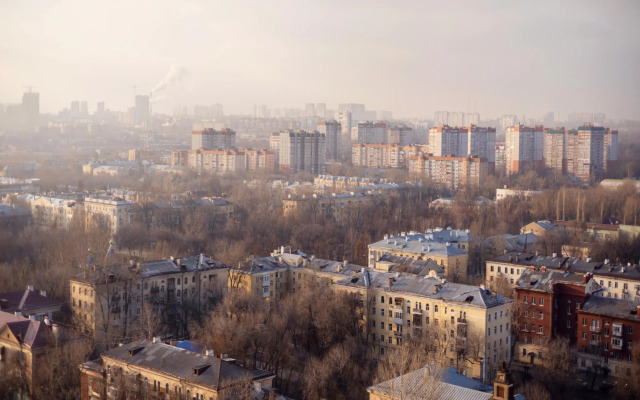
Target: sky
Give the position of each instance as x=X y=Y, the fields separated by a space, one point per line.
x=409 y=57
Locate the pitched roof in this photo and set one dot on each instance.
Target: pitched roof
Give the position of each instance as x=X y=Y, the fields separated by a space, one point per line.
x=31 y=332
x=425 y=286
x=624 y=309
x=181 y=363
x=26 y=301
x=414 y=384
x=541 y=280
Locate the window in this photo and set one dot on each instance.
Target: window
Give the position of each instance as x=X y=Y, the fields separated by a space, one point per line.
x=630 y=329
x=166 y=388
x=390 y=327
x=490 y=317
x=382 y=338
x=584 y=335
x=495 y=330
x=524 y=351
x=435 y=308
x=492 y=268
x=489 y=332
x=390 y=314
x=584 y=321
x=533 y=327
x=525 y=299
x=382 y=299
x=541 y=301
x=381 y=351
x=193 y=279
x=178 y=293
x=501 y=314
x=426 y=307
x=568 y=310
x=526 y=314
x=390 y=300
x=568 y=323
x=533 y=300
x=382 y=312
x=540 y=315
x=539 y=328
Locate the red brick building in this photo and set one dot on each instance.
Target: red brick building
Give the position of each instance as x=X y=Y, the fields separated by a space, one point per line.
x=608 y=329
x=547 y=302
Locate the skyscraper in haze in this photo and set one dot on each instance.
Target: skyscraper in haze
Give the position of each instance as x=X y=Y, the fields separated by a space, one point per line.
x=321 y=110
x=31 y=107
x=142 y=110
x=84 y=108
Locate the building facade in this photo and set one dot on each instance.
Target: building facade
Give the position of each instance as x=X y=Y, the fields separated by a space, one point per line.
x=524 y=148
x=211 y=139
x=302 y=151
x=450 y=172
x=332 y=131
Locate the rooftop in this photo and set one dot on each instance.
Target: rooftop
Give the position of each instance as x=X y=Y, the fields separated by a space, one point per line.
x=26 y=301
x=413 y=385
x=425 y=286
x=181 y=363
x=572 y=264
x=436 y=241
x=543 y=280
x=153 y=268
x=624 y=309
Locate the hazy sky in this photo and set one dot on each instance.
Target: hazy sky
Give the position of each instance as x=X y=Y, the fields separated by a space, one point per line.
x=408 y=57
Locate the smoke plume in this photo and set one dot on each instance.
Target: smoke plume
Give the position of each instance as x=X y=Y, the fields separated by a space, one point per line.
x=175 y=75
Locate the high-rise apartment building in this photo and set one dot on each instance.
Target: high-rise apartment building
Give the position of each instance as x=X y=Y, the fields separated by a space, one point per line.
x=357 y=111
x=142 y=110
x=310 y=110
x=554 y=149
x=344 y=118
x=84 y=108
x=384 y=155
x=587 y=152
x=399 y=135
x=500 y=158
x=31 y=108
x=610 y=149
x=332 y=130
x=450 y=172
x=302 y=151
x=210 y=139
x=447 y=140
x=321 y=110
x=369 y=132
x=524 y=148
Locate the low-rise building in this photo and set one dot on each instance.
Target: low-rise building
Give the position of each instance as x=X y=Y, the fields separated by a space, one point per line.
x=112 y=302
x=152 y=369
x=449 y=248
x=463 y=325
x=30 y=304
x=111 y=212
x=52 y=211
x=607 y=331
x=505 y=193
x=547 y=303
x=617 y=281
x=337 y=205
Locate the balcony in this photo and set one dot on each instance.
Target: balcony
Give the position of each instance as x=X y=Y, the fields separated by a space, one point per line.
x=616 y=344
x=462 y=320
x=416 y=311
x=398 y=321
x=593 y=328
x=397 y=334
x=593 y=342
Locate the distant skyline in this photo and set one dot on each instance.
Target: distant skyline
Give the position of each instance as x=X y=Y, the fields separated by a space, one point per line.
x=412 y=58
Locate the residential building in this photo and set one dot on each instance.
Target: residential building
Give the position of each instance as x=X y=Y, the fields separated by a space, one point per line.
x=260 y=159
x=31 y=108
x=586 y=152
x=30 y=304
x=608 y=329
x=339 y=206
x=332 y=131
x=110 y=212
x=180 y=158
x=13 y=217
x=433 y=382
x=370 y=132
x=504 y=193
x=111 y=302
x=26 y=344
x=500 y=158
x=610 y=149
x=302 y=151
x=554 y=150
x=219 y=161
x=344 y=119
x=152 y=369
x=463 y=325
x=524 y=148
x=51 y=211
x=399 y=135
x=448 y=248
x=357 y=111
x=384 y=155
x=548 y=303
x=450 y=172
x=617 y=281
x=211 y=139
x=448 y=140
x=538 y=228
x=141 y=113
